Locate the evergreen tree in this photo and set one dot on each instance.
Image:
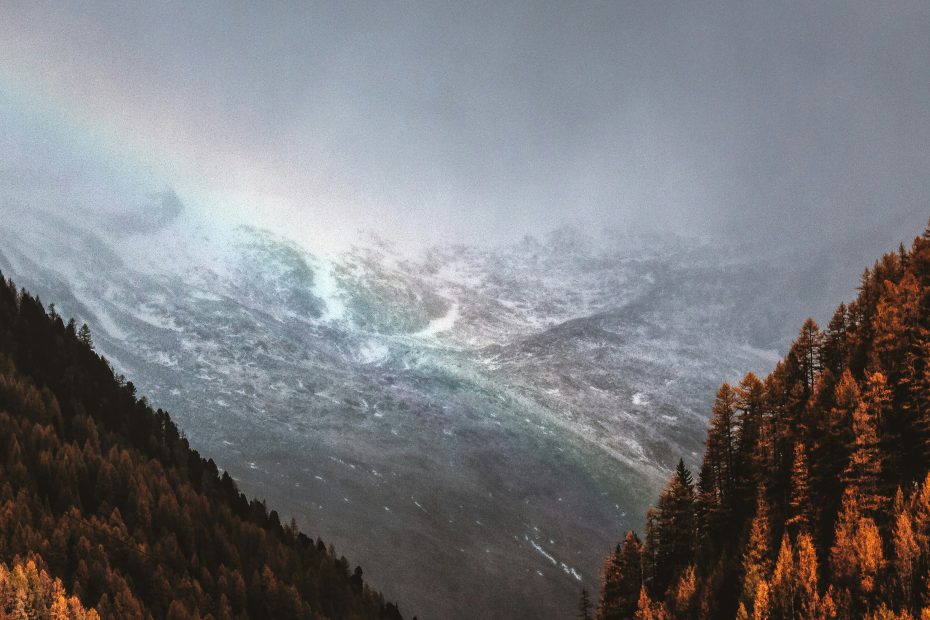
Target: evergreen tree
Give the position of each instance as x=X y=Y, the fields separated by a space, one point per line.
x=809 y=345
x=717 y=475
x=683 y=595
x=675 y=527
x=621 y=580
x=584 y=606
x=835 y=351
x=84 y=336
x=800 y=506
x=752 y=452
x=105 y=493
x=721 y=440
x=808 y=595
x=906 y=556
x=757 y=563
x=783 y=586
x=651 y=546
x=862 y=475
x=647 y=610
x=825 y=436
x=761 y=606
x=857 y=555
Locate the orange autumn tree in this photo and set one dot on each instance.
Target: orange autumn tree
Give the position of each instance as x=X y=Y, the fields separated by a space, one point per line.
x=27 y=591
x=795 y=513
x=112 y=498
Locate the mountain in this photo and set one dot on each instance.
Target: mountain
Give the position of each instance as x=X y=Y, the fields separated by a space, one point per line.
x=813 y=495
x=468 y=422
x=107 y=493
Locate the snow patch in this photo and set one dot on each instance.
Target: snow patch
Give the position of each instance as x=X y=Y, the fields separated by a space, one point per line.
x=326 y=287
x=373 y=352
x=104 y=321
x=443 y=323
x=543 y=552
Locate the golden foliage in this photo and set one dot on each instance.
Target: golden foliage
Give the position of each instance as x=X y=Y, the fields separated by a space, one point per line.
x=27 y=592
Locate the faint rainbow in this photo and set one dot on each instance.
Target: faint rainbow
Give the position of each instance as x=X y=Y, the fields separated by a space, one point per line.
x=122 y=152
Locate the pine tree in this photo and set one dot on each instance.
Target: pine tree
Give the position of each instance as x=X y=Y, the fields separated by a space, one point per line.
x=857 y=554
x=906 y=556
x=757 y=563
x=721 y=439
x=716 y=482
x=783 y=587
x=843 y=417
x=761 y=606
x=800 y=506
x=584 y=606
x=85 y=337
x=675 y=527
x=921 y=515
x=842 y=554
x=835 y=351
x=683 y=594
x=751 y=436
x=829 y=454
x=651 y=546
x=810 y=343
x=847 y=398
x=621 y=580
x=808 y=595
x=647 y=610
x=862 y=475
x=896 y=322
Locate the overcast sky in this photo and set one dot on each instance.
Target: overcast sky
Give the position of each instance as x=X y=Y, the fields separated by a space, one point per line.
x=781 y=122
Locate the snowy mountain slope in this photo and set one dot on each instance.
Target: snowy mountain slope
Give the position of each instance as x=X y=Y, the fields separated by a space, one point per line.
x=472 y=424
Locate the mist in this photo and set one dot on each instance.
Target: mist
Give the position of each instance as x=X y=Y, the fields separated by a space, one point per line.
x=772 y=123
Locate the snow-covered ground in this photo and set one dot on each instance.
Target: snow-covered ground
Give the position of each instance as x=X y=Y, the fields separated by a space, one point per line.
x=531 y=398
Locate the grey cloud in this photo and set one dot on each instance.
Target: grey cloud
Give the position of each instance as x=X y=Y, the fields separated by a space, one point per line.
x=777 y=122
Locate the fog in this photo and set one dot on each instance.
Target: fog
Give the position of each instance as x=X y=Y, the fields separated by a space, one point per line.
x=777 y=123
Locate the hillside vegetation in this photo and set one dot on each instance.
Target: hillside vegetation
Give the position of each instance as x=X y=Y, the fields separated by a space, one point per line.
x=813 y=497
x=105 y=492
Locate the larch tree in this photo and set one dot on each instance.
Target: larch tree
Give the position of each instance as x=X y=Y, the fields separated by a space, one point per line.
x=863 y=472
x=85 y=337
x=806 y=576
x=584 y=606
x=683 y=594
x=857 y=554
x=750 y=433
x=675 y=527
x=721 y=439
x=761 y=606
x=757 y=562
x=842 y=554
x=921 y=515
x=783 y=587
x=906 y=556
x=646 y=609
x=800 y=507
x=835 y=350
x=621 y=580
x=825 y=437
x=807 y=349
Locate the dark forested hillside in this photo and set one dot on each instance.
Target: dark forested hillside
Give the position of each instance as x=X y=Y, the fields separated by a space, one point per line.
x=813 y=497
x=105 y=494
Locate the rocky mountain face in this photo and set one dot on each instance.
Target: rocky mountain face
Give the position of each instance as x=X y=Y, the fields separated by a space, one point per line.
x=472 y=425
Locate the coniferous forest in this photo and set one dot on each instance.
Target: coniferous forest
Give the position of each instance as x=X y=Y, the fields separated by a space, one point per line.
x=813 y=496
x=104 y=505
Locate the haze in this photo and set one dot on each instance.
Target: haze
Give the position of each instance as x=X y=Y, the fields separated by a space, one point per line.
x=775 y=122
